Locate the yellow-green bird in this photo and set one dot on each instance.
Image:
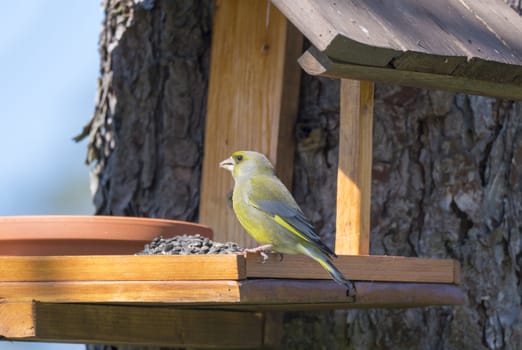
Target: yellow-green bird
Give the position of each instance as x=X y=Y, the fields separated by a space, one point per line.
x=269 y=213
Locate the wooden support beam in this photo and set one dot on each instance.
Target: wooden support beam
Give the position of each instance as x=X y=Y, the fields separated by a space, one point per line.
x=269 y=294
x=358 y=268
x=148 y=325
x=251 y=294
x=355 y=168
x=239 y=324
x=252 y=102
x=317 y=63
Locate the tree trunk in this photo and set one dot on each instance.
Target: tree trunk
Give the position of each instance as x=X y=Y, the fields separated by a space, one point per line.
x=146 y=135
x=446 y=176
x=446 y=183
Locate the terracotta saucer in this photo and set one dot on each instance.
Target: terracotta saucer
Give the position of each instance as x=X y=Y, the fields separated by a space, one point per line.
x=87 y=235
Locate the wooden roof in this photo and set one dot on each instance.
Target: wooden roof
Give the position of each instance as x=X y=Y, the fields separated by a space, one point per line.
x=471 y=46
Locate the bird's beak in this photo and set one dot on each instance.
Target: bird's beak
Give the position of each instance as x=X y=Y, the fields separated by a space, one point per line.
x=227 y=164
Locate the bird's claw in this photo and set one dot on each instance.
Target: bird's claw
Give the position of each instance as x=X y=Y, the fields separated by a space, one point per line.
x=264 y=256
x=261 y=250
x=351 y=292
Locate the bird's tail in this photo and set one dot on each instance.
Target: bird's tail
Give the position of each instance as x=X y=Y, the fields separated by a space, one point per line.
x=337 y=275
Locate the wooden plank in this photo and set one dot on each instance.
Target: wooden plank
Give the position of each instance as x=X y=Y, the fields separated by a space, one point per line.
x=354 y=172
x=97 y=270
x=16 y=320
x=73 y=320
x=370 y=32
x=422 y=62
x=315 y=63
x=500 y=20
x=311 y=18
x=122 y=267
x=148 y=325
x=122 y=292
x=489 y=71
x=252 y=102
x=456 y=273
x=358 y=268
x=309 y=295
x=251 y=294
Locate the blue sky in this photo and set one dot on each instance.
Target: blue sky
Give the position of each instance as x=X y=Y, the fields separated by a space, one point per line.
x=49 y=64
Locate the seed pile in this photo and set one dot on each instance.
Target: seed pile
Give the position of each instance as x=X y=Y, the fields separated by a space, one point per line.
x=187 y=245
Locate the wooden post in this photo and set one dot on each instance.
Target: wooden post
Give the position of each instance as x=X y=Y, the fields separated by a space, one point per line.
x=354 y=174
x=252 y=102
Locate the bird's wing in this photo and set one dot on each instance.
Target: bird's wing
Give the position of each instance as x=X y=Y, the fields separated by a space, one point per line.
x=271 y=196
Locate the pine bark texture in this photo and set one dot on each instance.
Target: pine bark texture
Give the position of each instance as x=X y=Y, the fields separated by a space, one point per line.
x=146 y=135
x=447 y=176
x=446 y=183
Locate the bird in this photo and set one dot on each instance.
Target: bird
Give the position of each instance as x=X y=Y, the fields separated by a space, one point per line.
x=269 y=213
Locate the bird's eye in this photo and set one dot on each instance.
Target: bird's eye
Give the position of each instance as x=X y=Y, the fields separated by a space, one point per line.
x=239 y=158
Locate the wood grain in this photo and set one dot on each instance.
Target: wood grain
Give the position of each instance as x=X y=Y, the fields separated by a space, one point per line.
x=16 y=320
x=200 y=323
x=273 y=330
x=307 y=295
x=122 y=292
x=354 y=175
x=316 y=63
x=205 y=271
x=251 y=294
x=377 y=33
x=358 y=268
x=122 y=268
x=252 y=102
x=148 y=325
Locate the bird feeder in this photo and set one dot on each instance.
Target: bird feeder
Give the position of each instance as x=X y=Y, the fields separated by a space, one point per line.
x=234 y=301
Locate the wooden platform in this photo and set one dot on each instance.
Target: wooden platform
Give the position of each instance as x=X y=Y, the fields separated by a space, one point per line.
x=84 y=298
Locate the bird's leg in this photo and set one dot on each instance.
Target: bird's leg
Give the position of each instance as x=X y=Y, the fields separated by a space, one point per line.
x=351 y=292
x=262 y=249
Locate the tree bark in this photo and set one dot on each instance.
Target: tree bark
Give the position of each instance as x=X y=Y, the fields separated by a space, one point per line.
x=446 y=183
x=447 y=178
x=146 y=135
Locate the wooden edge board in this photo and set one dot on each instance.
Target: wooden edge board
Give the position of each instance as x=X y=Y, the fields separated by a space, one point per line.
x=121 y=292
x=316 y=63
x=357 y=268
x=222 y=294
x=273 y=292
x=456 y=272
x=226 y=268
x=122 y=267
x=145 y=325
x=73 y=316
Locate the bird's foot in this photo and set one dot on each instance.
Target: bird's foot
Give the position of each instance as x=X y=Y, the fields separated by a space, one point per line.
x=351 y=291
x=261 y=250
